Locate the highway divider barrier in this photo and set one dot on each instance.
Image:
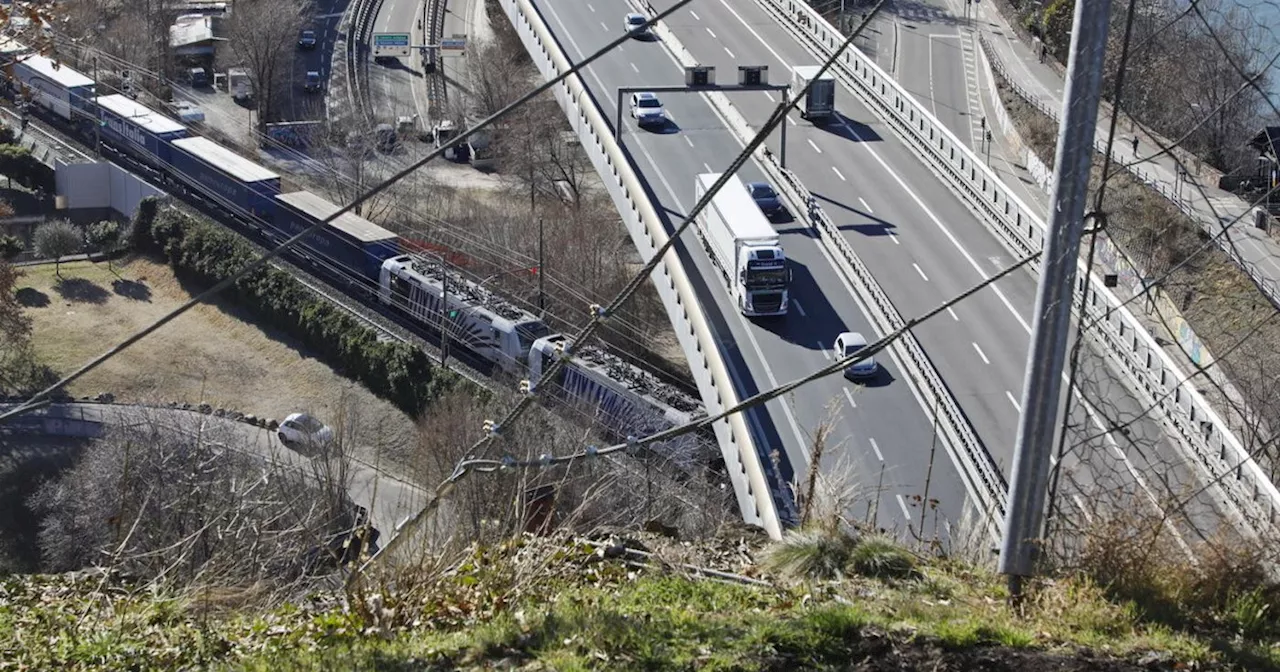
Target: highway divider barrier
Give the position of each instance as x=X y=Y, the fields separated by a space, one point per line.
x=1206 y=439
x=748 y=468
x=983 y=480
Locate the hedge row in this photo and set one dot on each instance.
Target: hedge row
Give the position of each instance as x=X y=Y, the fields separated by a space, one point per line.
x=201 y=251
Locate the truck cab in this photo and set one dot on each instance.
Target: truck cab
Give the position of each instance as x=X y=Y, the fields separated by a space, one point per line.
x=765 y=277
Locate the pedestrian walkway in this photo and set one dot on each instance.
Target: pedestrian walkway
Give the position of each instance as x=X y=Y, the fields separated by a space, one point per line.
x=1176 y=175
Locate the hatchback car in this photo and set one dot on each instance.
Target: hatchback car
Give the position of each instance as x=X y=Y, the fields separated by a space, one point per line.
x=303 y=429
x=848 y=344
x=647 y=110
x=312 y=81
x=765 y=197
x=635 y=21
x=307 y=40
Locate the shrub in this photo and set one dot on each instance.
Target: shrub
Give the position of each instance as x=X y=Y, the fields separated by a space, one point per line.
x=813 y=553
x=57 y=239
x=203 y=252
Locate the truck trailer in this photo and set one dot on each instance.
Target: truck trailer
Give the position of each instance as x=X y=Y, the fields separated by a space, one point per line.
x=138 y=129
x=54 y=86
x=744 y=246
x=820 y=103
x=350 y=241
x=238 y=184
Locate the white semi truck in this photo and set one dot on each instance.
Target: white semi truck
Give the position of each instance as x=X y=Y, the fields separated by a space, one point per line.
x=743 y=244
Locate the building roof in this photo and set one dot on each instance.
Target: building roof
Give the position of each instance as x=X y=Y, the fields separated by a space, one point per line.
x=350 y=223
x=139 y=115
x=191 y=30
x=224 y=159
x=1267 y=142
x=56 y=72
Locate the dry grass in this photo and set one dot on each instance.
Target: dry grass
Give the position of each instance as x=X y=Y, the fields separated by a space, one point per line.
x=1217 y=299
x=212 y=354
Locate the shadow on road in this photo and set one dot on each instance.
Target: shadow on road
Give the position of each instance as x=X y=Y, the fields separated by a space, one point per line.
x=876 y=227
x=850 y=129
x=820 y=321
x=81 y=290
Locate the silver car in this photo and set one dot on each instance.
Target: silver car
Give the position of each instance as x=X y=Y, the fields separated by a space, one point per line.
x=647 y=110
x=848 y=344
x=635 y=21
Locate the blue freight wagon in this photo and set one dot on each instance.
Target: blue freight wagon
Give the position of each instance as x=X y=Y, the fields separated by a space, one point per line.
x=138 y=128
x=239 y=184
x=350 y=241
x=54 y=86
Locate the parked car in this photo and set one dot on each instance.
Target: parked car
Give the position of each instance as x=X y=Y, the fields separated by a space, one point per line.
x=634 y=22
x=765 y=197
x=303 y=429
x=312 y=82
x=647 y=110
x=307 y=40
x=848 y=344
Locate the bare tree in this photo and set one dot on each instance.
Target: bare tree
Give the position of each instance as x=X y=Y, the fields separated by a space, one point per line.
x=353 y=162
x=184 y=498
x=262 y=36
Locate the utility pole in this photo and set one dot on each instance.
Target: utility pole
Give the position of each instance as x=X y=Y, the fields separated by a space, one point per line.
x=542 y=272
x=1042 y=387
x=97 y=122
x=444 y=311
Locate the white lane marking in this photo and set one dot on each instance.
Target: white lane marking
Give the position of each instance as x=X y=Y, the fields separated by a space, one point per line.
x=895 y=240
x=876 y=447
x=713 y=35
x=590 y=7
x=905 y=511
x=981 y=354
x=695 y=15
x=726 y=50
x=791 y=121
x=769 y=96
x=633 y=67
x=864 y=204
x=953 y=314
x=606 y=28
x=917 y=267
x=1013 y=401
x=742 y=320
x=687 y=140
x=933 y=98
x=815 y=147
x=737 y=16
x=799 y=308
x=704 y=165
x=837 y=172
x=849 y=395
x=823 y=349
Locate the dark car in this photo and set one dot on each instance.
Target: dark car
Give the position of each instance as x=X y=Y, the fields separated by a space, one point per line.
x=765 y=197
x=312 y=82
x=307 y=40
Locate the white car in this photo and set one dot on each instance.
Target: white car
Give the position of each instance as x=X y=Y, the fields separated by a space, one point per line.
x=647 y=110
x=634 y=21
x=849 y=343
x=303 y=429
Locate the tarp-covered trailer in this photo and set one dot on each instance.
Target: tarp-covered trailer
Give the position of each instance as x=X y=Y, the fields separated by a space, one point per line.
x=54 y=86
x=350 y=241
x=139 y=129
x=238 y=184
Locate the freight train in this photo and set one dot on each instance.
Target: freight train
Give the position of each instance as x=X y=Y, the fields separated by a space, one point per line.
x=373 y=261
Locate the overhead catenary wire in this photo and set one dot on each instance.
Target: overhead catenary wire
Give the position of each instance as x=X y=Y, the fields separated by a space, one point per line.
x=471 y=463
x=601 y=313
x=375 y=190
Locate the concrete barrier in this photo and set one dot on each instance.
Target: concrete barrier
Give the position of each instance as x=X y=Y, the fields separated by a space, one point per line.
x=758 y=490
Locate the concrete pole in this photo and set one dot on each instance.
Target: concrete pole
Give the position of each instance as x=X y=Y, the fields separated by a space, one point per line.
x=1042 y=387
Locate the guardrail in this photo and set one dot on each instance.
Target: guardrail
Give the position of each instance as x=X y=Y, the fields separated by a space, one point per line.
x=433 y=31
x=982 y=479
x=757 y=501
x=1208 y=224
x=359 y=31
x=1204 y=437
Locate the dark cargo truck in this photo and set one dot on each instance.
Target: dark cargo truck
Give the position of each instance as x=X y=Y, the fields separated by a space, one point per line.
x=238 y=184
x=820 y=103
x=350 y=241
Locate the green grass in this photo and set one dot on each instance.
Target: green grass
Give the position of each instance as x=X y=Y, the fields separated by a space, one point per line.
x=576 y=612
